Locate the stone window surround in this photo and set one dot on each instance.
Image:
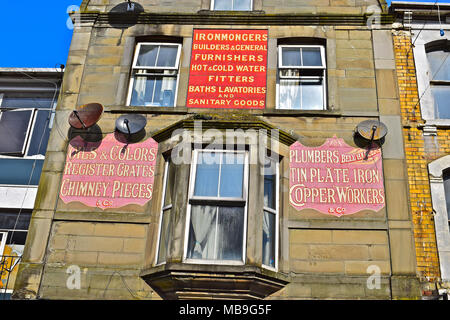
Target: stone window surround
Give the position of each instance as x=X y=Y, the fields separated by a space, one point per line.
x=323 y=67
x=174 y=278
x=249 y=150
x=133 y=73
x=436 y=169
x=420 y=40
x=243 y=199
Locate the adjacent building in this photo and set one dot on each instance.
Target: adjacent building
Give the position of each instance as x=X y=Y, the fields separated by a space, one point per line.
x=27 y=104
x=421 y=46
x=271 y=164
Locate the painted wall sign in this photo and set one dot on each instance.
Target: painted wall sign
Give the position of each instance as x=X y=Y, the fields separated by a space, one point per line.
x=228 y=69
x=109 y=175
x=335 y=179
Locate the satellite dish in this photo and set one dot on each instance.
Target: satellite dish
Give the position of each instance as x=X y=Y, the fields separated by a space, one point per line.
x=85 y=116
x=131 y=124
x=125 y=14
x=372 y=130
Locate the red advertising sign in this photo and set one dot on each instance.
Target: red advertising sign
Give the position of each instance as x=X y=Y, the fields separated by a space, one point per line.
x=228 y=69
x=335 y=178
x=109 y=175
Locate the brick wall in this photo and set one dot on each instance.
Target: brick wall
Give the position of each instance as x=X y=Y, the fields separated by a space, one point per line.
x=420 y=150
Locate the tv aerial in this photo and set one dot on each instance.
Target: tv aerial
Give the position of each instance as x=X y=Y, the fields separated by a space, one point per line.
x=371 y=130
x=85 y=116
x=131 y=125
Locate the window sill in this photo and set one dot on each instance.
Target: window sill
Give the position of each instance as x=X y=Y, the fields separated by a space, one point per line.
x=231 y=12
x=437 y=123
x=146 y=110
x=35 y=157
x=214 y=262
x=303 y=113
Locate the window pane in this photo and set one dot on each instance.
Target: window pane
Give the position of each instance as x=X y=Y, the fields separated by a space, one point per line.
x=243 y=5
x=230 y=233
x=142 y=91
x=447 y=191
x=147 y=55
x=207 y=176
x=164 y=236
x=215 y=236
x=167 y=56
x=269 y=239
x=312 y=95
x=18 y=171
x=202 y=233
x=232 y=175
x=170 y=183
x=441 y=96
x=289 y=95
x=10 y=219
x=16 y=102
x=311 y=57
x=270 y=185
x=17 y=237
x=41 y=133
x=14 y=125
x=223 y=4
x=439 y=65
x=291 y=56
x=153 y=91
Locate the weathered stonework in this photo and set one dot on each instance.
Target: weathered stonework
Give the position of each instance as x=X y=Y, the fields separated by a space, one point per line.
x=320 y=256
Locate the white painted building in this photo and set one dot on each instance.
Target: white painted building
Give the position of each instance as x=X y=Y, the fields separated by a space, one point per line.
x=429 y=24
x=27 y=102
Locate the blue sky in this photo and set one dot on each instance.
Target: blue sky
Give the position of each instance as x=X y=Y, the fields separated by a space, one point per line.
x=34 y=33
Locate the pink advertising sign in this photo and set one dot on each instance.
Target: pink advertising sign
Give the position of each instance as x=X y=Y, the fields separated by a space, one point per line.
x=110 y=174
x=335 y=179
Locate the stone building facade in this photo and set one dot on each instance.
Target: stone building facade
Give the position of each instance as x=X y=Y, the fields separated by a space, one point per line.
x=422 y=64
x=294 y=205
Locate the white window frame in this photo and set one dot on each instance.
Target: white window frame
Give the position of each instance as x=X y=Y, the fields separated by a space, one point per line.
x=323 y=67
x=436 y=169
x=135 y=68
x=163 y=208
x=193 y=172
x=30 y=129
x=276 y=212
x=424 y=75
x=213 y=4
x=322 y=55
x=437 y=83
x=3 y=242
